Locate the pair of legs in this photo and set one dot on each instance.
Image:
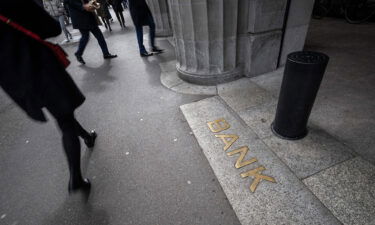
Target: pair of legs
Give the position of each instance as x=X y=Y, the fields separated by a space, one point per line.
x=85 y=39
x=139 y=30
x=71 y=131
x=120 y=18
x=61 y=20
x=107 y=24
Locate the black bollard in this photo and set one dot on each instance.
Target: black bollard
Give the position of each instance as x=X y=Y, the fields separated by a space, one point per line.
x=302 y=77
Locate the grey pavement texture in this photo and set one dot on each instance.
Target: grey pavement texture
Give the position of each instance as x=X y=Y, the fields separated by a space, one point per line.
x=146 y=168
x=305 y=157
x=170 y=79
x=287 y=201
x=348 y=183
x=345 y=103
x=335 y=161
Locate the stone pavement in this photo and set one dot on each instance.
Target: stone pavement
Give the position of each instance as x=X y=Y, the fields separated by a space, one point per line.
x=327 y=177
x=146 y=168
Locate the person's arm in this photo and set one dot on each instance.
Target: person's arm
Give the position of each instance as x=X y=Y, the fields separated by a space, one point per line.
x=77 y=4
x=30 y=15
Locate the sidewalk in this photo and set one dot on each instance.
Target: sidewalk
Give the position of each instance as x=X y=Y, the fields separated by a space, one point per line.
x=326 y=178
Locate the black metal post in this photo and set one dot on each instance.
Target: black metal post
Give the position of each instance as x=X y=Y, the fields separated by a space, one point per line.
x=302 y=77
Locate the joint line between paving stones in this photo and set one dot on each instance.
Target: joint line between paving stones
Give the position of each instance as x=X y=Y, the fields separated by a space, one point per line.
x=176 y=85
x=272 y=152
x=344 y=161
x=211 y=168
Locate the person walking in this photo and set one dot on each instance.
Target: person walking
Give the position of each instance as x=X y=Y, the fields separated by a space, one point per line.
x=84 y=19
x=141 y=16
x=33 y=74
x=118 y=9
x=56 y=9
x=103 y=13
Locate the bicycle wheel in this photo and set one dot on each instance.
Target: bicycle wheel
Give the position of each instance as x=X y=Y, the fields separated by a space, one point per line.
x=359 y=11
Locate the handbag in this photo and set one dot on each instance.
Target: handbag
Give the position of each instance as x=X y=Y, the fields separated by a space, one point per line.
x=55 y=48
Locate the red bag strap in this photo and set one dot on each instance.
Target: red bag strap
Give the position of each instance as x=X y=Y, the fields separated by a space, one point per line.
x=21 y=29
x=57 y=50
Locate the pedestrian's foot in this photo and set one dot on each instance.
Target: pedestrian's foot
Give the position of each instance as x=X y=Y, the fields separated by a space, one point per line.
x=82 y=185
x=80 y=59
x=145 y=54
x=157 y=50
x=109 y=56
x=90 y=142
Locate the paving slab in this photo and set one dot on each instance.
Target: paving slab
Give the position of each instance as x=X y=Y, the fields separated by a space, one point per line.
x=288 y=201
x=193 y=89
x=259 y=119
x=170 y=79
x=168 y=66
x=348 y=190
x=270 y=81
x=305 y=157
x=242 y=94
x=314 y=153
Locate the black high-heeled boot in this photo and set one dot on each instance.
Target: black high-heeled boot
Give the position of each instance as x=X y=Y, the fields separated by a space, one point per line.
x=81 y=185
x=90 y=141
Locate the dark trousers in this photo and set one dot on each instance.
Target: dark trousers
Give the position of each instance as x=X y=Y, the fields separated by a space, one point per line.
x=71 y=130
x=139 y=30
x=85 y=39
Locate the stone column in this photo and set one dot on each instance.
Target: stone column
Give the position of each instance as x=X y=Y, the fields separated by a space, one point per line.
x=260 y=33
x=205 y=33
x=159 y=9
x=296 y=27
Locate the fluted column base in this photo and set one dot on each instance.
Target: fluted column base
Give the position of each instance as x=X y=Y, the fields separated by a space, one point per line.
x=205 y=34
x=160 y=12
x=209 y=79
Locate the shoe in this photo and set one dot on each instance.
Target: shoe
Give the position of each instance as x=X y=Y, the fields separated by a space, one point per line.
x=80 y=59
x=90 y=142
x=83 y=185
x=109 y=56
x=145 y=54
x=157 y=50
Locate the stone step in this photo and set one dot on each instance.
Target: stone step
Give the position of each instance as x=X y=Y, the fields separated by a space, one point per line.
x=259 y=186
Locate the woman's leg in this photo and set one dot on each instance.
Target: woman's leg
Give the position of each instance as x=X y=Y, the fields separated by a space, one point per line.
x=122 y=18
x=109 y=24
x=72 y=148
x=118 y=18
x=63 y=27
x=105 y=24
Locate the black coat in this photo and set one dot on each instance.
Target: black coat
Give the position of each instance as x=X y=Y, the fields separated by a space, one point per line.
x=117 y=6
x=140 y=12
x=29 y=72
x=81 y=19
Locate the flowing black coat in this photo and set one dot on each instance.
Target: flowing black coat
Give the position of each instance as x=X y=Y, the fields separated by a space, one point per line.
x=29 y=72
x=139 y=12
x=81 y=19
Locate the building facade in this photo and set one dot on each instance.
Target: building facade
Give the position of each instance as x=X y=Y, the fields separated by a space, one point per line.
x=217 y=41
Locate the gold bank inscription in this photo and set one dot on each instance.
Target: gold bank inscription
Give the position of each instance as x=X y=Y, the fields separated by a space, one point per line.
x=220 y=125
